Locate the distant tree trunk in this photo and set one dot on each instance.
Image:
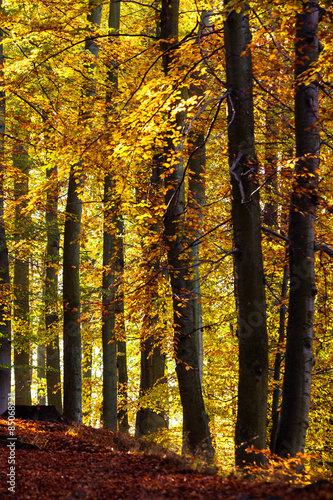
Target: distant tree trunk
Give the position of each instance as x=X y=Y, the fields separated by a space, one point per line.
x=114 y=349
x=71 y=271
x=41 y=371
x=5 y=331
x=299 y=350
x=51 y=294
x=271 y=141
x=152 y=366
x=21 y=284
x=271 y=220
x=196 y=434
x=71 y=301
x=278 y=360
x=152 y=356
x=87 y=379
x=248 y=266
x=196 y=193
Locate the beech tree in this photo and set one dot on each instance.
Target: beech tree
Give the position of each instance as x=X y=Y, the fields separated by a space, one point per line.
x=51 y=293
x=71 y=269
x=5 y=330
x=196 y=434
x=246 y=224
x=22 y=349
x=299 y=350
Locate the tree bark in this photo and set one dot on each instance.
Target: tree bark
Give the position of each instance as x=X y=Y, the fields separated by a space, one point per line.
x=248 y=266
x=5 y=328
x=299 y=349
x=115 y=377
x=196 y=194
x=196 y=434
x=71 y=268
x=21 y=284
x=53 y=381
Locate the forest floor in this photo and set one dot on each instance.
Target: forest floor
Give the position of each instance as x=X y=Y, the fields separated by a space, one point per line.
x=57 y=461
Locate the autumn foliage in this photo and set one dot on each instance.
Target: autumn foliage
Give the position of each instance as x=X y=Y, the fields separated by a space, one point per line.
x=124 y=126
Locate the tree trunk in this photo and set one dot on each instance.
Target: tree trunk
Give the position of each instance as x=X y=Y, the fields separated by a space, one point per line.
x=278 y=361
x=196 y=195
x=248 y=266
x=5 y=330
x=114 y=367
x=152 y=357
x=21 y=284
x=196 y=434
x=152 y=367
x=112 y=302
x=71 y=301
x=71 y=268
x=299 y=351
x=41 y=372
x=53 y=381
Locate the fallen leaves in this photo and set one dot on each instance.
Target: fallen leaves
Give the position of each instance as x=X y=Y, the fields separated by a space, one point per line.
x=81 y=462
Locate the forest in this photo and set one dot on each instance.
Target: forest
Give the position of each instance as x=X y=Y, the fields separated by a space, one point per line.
x=166 y=234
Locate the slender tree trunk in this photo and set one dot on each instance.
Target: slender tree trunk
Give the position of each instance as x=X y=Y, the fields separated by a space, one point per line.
x=152 y=357
x=21 y=285
x=271 y=205
x=196 y=434
x=51 y=295
x=115 y=376
x=278 y=360
x=71 y=271
x=196 y=195
x=41 y=371
x=299 y=350
x=5 y=330
x=112 y=274
x=248 y=266
x=71 y=300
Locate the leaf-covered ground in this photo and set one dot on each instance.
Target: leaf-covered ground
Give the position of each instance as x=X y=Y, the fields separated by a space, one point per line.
x=57 y=461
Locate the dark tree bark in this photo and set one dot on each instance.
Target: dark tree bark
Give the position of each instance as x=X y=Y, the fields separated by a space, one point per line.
x=71 y=268
x=115 y=377
x=51 y=294
x=5 y=330
x=196 y=434
x=196 y=192
x=248 y=266
x=21 y=283
x=299 y=351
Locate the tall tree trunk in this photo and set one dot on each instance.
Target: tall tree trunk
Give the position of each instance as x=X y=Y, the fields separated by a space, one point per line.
x=5 y=330
x=114 y=349
x=196 y=194
x=21 y=284
x=71 y=270
x=196 y=434
x=248 y=266
x=71 y=301
x=299 y=351
x=152 y=365
x=53 y=381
